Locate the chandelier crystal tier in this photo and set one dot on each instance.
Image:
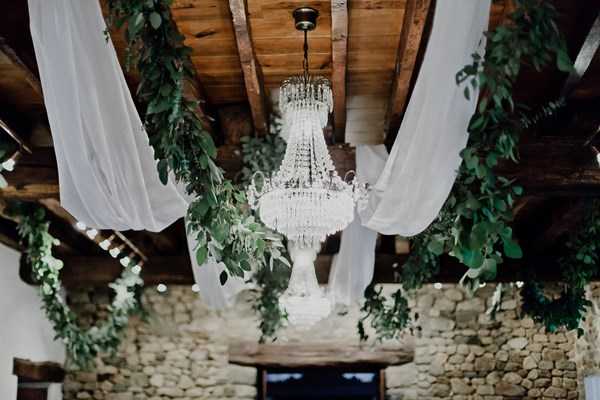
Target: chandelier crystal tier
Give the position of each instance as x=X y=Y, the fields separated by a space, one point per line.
x=305 y=200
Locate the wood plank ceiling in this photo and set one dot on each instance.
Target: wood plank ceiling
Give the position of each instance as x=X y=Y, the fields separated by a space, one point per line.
x=371 y=50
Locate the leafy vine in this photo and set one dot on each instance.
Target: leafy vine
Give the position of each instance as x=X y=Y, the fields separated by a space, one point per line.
x=474 y=223
x=265 y=154
x=82 y=345
x=225 y=229
x=577 y=268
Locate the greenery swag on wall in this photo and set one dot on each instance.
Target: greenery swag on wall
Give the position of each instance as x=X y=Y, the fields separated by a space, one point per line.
x=82 y=345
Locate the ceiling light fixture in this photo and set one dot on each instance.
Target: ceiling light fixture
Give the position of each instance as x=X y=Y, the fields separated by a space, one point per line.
x=305 y=200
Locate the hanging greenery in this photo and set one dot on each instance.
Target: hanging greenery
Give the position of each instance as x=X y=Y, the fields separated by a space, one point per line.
x=387 y=318
x=578 y=267
x=225 y=229
x=474 y=223
x=82 y=345
x=264 y=154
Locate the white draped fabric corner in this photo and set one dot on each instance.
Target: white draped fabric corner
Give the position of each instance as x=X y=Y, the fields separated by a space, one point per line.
x=592 y=386
x=213 y=294
x=352 y=268
x=107 y=171
x=421 y=169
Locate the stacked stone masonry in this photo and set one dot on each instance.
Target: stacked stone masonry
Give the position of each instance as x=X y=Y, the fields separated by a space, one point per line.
x=461 y=352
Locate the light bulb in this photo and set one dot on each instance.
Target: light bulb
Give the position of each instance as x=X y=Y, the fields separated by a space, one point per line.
x=125 y=261
x=81 y=226
x=105 y=244
x=161 y=288
x=136 y=269
x=195 y=288
x=437 y=285
x=9 y=164
x=92 y=233
x=519 y=284
x=114 y=252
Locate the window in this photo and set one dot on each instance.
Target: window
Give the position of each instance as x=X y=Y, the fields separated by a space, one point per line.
x=322 y=384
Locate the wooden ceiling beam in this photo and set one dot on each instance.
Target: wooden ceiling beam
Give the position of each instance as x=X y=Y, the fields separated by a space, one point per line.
x=550 y=166
x=82 y=271
x=413 y=26
x=252 y=72
x=31 y=78
x=53 y=205
x=339 y=56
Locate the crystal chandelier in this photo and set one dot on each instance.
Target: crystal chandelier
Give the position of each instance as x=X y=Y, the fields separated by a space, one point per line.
x=305 y=200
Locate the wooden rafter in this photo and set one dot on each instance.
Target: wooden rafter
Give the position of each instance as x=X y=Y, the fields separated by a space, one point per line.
x=99 y=270
x=55 y=208
x=339 y=56
x=30 y=77
x=549 y=166
x=413 y=25
x=252 y=73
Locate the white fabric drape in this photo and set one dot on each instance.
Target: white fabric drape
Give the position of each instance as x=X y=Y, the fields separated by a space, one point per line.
x=213 y=294
x=422 y=165
x=352 y=268
x=413 y=183
x=107 y=172
x=592 y=387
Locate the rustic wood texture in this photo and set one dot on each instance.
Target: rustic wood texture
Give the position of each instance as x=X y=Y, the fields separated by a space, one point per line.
x=293 y=355
x=339 y=58
x=415 y=16
x=549 y=166
x=18 y=84
x=252 y=72
x=29 y=371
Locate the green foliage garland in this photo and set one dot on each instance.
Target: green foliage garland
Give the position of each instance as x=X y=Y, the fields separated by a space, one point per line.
x=271 y=283
x=577 y=268
x=388 y=320
x=82 y=345
x=265 y=154
x=474 y=223
x=226 y=231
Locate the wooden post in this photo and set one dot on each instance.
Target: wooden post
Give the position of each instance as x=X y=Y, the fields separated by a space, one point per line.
x=34 y=378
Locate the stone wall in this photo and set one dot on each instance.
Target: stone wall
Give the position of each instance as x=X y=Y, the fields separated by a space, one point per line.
x=465 y=354
x=164 y=357
x=461 y=353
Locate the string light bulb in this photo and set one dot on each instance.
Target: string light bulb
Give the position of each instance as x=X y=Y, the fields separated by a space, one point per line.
x=195 y=288
x=136 y=269
x=81 y=226
x=92 y=233
x=105 y=244
x=9 y=164
x=115 y=251
x=437 y=285
x=125 y=261
x=161 y=288
x=595 y=150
